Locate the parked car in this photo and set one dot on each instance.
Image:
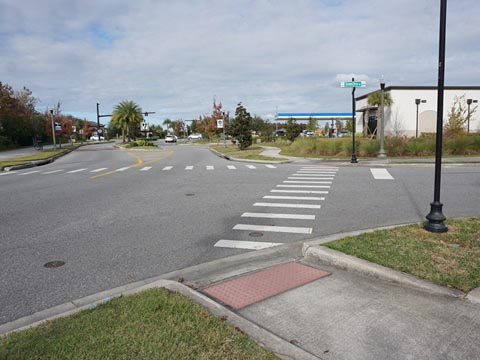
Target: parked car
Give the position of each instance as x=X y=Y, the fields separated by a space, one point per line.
x=280 y=133
x=309 y=133
x=95 y=138
x=170 y=139
x=343 y=133
x=195 y=136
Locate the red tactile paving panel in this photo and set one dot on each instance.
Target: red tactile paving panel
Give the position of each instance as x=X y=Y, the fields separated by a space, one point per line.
x=250 y=289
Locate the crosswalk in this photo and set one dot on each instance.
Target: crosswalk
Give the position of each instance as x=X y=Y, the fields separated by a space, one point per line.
x=300 y=192
x=142 y=169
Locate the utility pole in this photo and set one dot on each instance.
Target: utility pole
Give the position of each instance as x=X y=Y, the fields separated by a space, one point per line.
x=53 y=130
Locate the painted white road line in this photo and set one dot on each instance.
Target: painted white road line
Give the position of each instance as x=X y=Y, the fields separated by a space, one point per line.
x=310 y=178
x=310 y=198
x=75 y=171
x=279 y=216
x=319 y=168
x=271 y=166
x=248 y=245
x=210 y=167
x=98 y=170
x=167 y=168
x=30 y=172
x=250 y=166
x=305 y=186
x=314 y=175
x=381 y=174
x=316 y=172
x=272 y=228
x=123 y=169
x=299 y=206
x=300 y=191
x=146 y=168
x=231 y=167
x=51 y=172
x=9 y=173
x=190 y=167
x=306 y=182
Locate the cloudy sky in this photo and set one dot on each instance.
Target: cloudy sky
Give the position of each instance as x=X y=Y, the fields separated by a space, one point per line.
x=174 y=57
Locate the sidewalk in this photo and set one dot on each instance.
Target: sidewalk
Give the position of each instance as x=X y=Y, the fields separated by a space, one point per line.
x=326 y=305
x=275 y=152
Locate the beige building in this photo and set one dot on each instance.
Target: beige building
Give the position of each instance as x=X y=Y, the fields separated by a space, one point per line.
x=401 y=117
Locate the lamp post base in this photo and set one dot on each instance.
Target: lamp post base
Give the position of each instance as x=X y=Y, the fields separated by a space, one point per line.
x=382 y=155
x=354 y=159
x=435 y=219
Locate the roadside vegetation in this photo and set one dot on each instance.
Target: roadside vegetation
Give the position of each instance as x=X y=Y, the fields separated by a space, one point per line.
x=451 y=259
x=26 y=159
x=155 y=324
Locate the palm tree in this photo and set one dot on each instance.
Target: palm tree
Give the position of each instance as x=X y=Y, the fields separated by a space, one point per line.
x=375 y=99
x=125 y=115
x=167 y=123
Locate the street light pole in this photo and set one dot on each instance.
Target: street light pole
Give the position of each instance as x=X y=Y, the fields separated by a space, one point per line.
x=53 y=130
x=435 y=217
x=381 y=153
x=354 y=154
x=469 y=102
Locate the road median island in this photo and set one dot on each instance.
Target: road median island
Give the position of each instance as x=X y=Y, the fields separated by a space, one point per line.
x=232 y=152
x=34 y=159
x=450 y=259
x=155 y=323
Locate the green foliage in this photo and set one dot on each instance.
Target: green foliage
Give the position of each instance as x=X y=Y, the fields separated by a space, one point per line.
x=127 y=116
x=312 y=124
x=458 y=116
x=267 y=132
x=241 y=127
x=375 y=98
x=368 y=147
x=292 y=129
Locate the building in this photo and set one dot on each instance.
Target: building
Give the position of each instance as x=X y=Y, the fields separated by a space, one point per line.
x=401 y=117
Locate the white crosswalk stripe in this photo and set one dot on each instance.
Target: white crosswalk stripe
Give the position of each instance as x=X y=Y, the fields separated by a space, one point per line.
x=167 y=168
x=190 y=167
x=250 y=167
x=273 y=228
x=314 y=175
x=210 y=167
x=76 y=171
x=146 y=168
x=247 y=245
x=300 y=206
x=98 y=170
x=279 y=216
x=52 y=172
x=308 y=198
x=271 y=166
x=231 y=167
x=317 y=172
x=306 y=186
x=306 y=182
x=310 y=178
x=123 y=168
x=381 y=174
x=299 y=191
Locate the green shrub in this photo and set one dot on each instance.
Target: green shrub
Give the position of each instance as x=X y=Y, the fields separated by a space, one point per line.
x=395 y=146
x=415 y=147
x=457 y=146
x=368 y=147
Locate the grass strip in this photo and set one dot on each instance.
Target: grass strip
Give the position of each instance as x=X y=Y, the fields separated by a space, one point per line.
x=251 y=153
x=25 y=159
x=451 y=259
x=154 y=324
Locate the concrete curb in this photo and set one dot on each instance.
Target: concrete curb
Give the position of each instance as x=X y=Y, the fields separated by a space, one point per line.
x=282 y=348
x=224 y=156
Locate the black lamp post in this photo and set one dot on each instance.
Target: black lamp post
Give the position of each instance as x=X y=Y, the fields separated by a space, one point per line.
x=354 y=154
x=418 y=101
x=435 y=217
x=381 y=153
x=469 y=102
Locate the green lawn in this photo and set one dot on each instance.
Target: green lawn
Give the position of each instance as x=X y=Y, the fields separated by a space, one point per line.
x=25 y=159
x=154 y=324
x=451 y=259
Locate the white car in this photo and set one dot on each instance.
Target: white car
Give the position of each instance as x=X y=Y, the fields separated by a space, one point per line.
x=170 y=139
x=95 y=138
x=195 y=136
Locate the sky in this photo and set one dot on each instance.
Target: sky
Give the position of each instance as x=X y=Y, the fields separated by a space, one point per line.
x=174 y=57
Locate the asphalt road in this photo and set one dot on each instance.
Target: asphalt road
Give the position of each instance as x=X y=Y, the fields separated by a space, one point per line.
x=117 y=216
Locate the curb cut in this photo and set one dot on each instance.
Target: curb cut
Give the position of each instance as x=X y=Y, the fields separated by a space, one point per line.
x=282 y=348
x=230 y=158
x=351 y=263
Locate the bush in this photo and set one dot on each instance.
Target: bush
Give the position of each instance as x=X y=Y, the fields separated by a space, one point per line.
x=457 y=146
x=415 y=147
x=141 y=142
x=368 y=147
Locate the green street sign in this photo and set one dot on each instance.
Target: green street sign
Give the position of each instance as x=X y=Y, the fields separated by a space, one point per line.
x=350 y=84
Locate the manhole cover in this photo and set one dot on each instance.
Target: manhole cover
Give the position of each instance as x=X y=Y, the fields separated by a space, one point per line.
x=54 y=264
x=255 y=234
x=190 y=194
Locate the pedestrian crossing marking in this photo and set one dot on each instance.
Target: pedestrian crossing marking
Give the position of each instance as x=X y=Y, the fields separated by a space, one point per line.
x=167 y=168
x=300 y=206
x=98 y=170
x=146 y=168
x=271 y=166
x=123 y=168
x=210 y=167
x=246 y=245
x=30 y=172
x=274 y=228
x=190 y=167
x=250 y=167
x=381 y=174
x=299 y=191
x=51 y=172
x=280 y=197
x=279 y=216
x=231 y=167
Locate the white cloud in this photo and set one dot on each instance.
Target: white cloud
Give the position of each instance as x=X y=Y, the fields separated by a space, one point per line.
x=173 y=57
